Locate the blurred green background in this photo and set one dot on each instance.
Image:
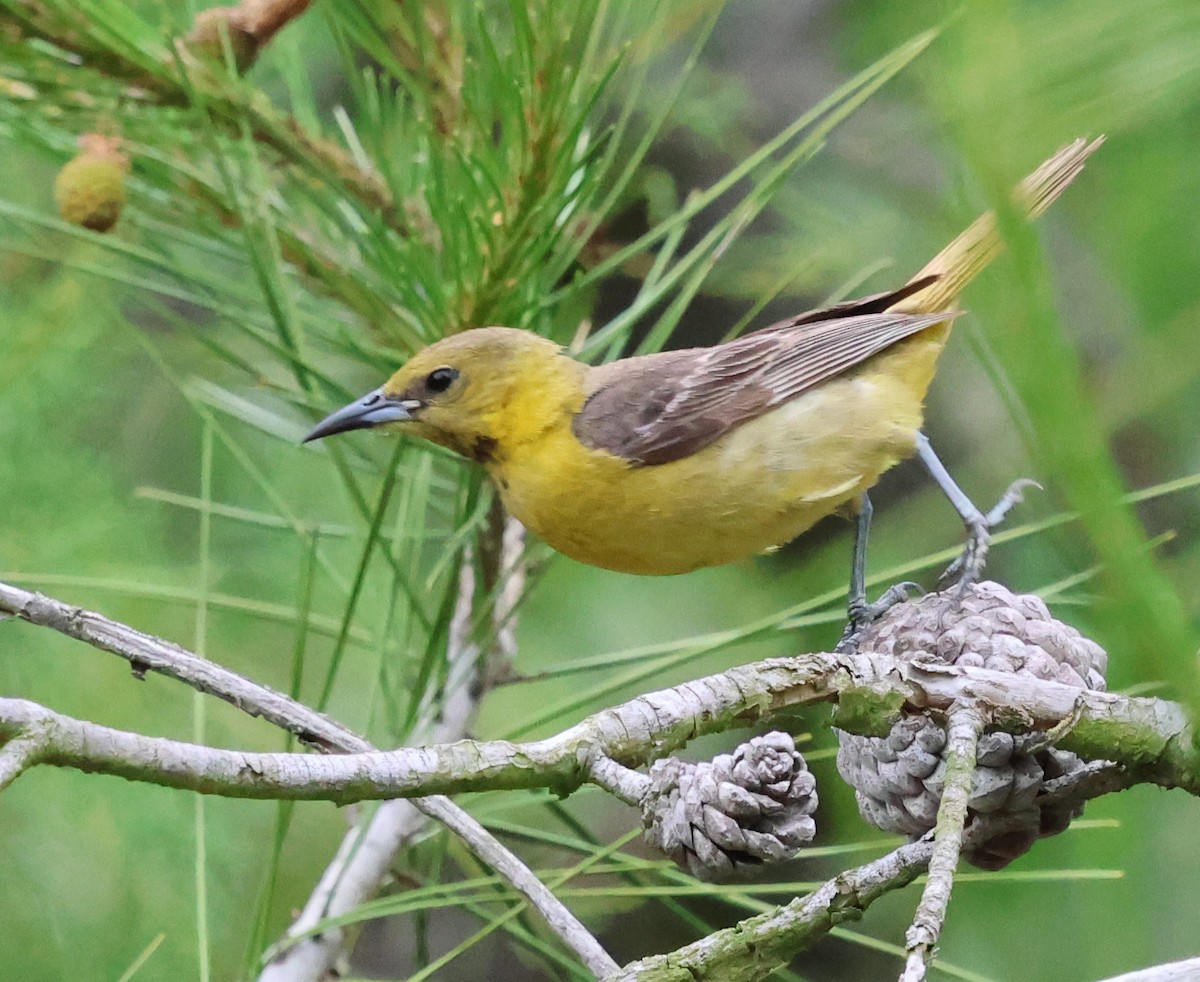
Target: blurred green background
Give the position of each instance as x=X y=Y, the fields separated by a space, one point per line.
x=123 y=359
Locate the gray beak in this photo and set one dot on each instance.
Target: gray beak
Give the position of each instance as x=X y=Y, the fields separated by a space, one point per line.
x=371 y=410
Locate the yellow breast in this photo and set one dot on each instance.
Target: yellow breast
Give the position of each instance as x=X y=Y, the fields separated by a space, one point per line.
x=759 y=486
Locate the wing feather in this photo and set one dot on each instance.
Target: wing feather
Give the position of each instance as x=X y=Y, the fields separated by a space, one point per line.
x=659 y=408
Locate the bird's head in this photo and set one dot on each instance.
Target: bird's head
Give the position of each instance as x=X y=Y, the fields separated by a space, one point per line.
x=479 y=393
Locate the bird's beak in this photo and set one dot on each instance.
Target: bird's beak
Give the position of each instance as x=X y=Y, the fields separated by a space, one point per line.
x=373 y=409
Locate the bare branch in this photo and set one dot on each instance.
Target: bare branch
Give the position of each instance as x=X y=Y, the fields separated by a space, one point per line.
x=1184 y=971
x=512 y=588
x=755 y=947
x=20 y=753
x=351 y=878
x=618 y=780
x=1139 y=740
x=366 y=853
x=633 y=733
x=368 y=850
x=963 y=730
x=1150 y=738
x=147 y=653
x=560 y=919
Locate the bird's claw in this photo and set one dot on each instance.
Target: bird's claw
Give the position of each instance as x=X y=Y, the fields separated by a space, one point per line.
x=862 y=614
x=967 y=568
x=1013 y=496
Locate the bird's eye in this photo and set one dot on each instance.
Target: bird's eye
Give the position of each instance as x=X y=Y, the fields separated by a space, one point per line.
x=440 y=379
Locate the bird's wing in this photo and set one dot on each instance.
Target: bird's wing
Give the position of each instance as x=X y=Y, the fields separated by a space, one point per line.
x=876 y=303
x=659 y=408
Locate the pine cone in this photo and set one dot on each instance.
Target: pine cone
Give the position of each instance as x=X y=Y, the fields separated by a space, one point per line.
x=90 y=188
x=898 y=779
x=207 y=37
x=727 y=818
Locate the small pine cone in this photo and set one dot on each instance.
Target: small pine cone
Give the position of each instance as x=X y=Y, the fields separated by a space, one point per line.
x=898 y=779
x=90 y=188
x=725 y=819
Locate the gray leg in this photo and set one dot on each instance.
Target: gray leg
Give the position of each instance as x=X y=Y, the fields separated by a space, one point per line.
x=860 y=612
x=858 y=564
x=969 y=566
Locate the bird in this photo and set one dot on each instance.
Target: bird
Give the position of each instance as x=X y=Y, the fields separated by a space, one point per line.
x=665 y=463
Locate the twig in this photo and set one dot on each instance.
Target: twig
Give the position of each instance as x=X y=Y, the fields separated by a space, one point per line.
x=261 y=20
x=366 y=854
x=512 y=588
x=633 y=733
x=1159 y=748
x=621 y=782
x=147 y=653
x=351 y=878
x=1149 y=738
x=755 y=947
x=355 y=874
x=20 y=753
x=1103 y=723
x=558 y=917
x=1094 y=779
x=1184 y=971
x=963 y=730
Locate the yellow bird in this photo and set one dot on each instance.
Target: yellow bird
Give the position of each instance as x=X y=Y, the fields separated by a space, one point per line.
x=670 y=462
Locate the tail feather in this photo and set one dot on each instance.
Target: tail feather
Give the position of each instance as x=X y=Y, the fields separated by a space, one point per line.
x=959 y=263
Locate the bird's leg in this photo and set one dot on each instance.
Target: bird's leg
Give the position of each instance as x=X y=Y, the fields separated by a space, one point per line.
x=859 y=612
x=968 y=567
x=857 y=605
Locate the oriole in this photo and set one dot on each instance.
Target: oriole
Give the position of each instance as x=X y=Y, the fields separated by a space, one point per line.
x=669 y=462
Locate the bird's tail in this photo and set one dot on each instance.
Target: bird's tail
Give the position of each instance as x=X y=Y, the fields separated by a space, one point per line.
x=957 y=264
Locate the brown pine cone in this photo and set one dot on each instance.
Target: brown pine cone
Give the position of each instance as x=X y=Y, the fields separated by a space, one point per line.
x=898 y=779
x=727 y=818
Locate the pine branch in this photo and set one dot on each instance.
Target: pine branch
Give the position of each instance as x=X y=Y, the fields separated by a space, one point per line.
x=1151 y=739
x=368 y=850
x=167 y=80
x=964 y=727
x=755 y=947
x=1132 y=740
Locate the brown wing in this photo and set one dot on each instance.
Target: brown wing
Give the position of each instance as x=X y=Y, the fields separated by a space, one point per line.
x=659 y=408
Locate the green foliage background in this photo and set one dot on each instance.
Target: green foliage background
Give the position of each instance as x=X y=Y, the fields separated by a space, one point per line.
x=164 y=373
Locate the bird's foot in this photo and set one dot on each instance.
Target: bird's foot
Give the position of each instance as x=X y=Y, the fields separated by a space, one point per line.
x=862 y=614
x=968 y=567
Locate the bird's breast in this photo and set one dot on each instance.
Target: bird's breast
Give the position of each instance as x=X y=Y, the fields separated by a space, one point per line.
x=758 y=487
